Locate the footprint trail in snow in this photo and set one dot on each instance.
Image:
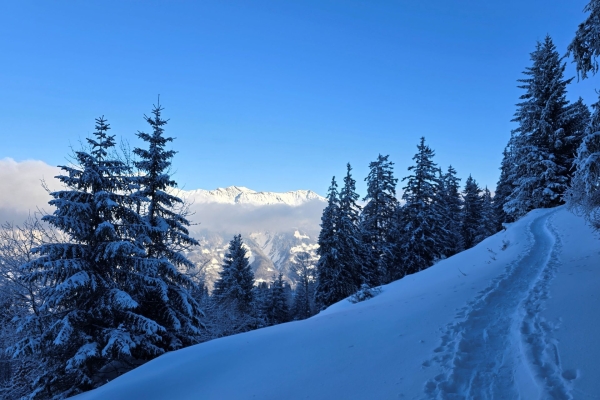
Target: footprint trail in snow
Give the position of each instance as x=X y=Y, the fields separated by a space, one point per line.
x=499 y=347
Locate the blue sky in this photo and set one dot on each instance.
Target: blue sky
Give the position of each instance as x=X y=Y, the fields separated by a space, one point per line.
x=277 y=95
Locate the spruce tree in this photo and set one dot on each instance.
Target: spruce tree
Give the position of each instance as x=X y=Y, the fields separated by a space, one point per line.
x=377 y=219
x=236 y=279
x=278 y=311
x=472 y=213
x=488 y=224
x=348 y=232
x=584 y=195
x=330 y=289
x=577 y=119
x=90 y=282
x=303 y=306
x=585 y=47
x=166 y=294
x=422 y=222
x=450 y=203
x=539 y=174
x=504 y=187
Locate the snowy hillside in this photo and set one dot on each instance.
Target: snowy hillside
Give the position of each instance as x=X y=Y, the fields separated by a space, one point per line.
x=515 y=317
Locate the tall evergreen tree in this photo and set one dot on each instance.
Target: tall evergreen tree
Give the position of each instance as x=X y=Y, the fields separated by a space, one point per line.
x=577 y=119
x=167 y=294
x=377 y=220
x=278 y=310
x=348 y=232
x=332 y=286
x=488 y=224
x=584 y=194
x=303 y=306
x=92 y=280
x=422 y=218
x=450 y=202
x=539 y=175
x=585 y=47
x=472 y=213
x=236 y=279
x=504 y=187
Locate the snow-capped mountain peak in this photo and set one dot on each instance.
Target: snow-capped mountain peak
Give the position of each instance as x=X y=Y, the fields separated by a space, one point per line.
x=243 y=195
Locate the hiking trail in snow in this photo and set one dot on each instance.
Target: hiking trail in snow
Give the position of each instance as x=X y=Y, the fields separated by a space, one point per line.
x=499 y=346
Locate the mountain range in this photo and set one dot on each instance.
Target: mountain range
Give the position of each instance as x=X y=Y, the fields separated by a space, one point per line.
x=274 y=227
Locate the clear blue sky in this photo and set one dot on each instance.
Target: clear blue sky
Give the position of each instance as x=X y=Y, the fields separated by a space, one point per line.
x=277 y=95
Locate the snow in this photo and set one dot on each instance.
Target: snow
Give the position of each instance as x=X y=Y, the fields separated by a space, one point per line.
x=517 y=316
x=243 y=195
x=298 y=235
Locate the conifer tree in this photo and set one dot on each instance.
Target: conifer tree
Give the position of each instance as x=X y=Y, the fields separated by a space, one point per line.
x=472 y=212
x=350 y=244
x=166 y=296
x=278 y=311
x=538 y=174
x=330 y=288
x=422 y=220
x=585 y=47
x=584 y=195
x=92 y=280
x=577 y=119
x=377 y=220
x=303 y=306
x=260 y=303
x=504 y=187
x=488 y=224
x=236 y=279
x=451 y=206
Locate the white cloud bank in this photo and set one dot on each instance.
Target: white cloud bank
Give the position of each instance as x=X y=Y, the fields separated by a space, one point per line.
x=21 y=190
x=21 y=193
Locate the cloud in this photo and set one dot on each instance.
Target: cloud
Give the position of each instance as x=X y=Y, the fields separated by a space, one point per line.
x=237 y=218
x=21 y=190
x=21 y=193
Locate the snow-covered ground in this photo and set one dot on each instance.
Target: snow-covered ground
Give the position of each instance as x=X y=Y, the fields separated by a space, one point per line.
x=518 y=316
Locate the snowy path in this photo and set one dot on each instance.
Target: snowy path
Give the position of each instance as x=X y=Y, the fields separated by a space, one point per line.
x=499 y=347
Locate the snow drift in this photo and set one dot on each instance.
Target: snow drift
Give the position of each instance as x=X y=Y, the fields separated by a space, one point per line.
x=517 y=316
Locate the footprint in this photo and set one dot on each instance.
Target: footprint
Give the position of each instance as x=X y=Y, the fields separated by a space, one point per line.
x=570 y=374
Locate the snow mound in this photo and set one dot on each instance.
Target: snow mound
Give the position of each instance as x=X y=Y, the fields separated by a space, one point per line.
x=517 y=316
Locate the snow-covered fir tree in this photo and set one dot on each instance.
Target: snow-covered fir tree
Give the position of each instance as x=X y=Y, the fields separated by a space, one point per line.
x=330 y=288
x=278 y=310
x=585 y=47
x=421 y=221
x=472 y=212
x=584 y=194
x=236 y=279
x=504 y=187
x=91 y=322
x=537 y=172
x=488 y=224
x=577 y=119
x=376 y=221
x=166 y=293
x=349 y=238
x=450 y=202
x=303 y=270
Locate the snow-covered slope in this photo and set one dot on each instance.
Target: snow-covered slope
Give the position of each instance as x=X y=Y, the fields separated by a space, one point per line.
x=515 y=317
x=243 y=195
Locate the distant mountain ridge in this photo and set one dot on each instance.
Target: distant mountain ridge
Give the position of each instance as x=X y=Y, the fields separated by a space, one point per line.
x=271 y=248
x=243 y=195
